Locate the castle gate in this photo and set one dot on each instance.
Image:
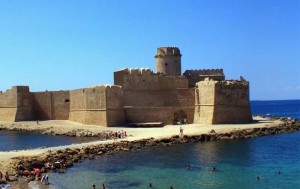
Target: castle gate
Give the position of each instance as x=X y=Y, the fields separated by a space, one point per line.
x=180 y=117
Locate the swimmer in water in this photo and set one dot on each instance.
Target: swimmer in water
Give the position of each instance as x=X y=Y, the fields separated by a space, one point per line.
x=188 y=167
x=257 y=178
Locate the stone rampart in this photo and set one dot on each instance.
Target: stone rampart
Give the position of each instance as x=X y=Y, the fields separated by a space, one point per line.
x=52 y=105
x=8 y=105
x=228 y=102
x=145 y=79
x=98 y=105
x=158 y=106
x=25 y=109
x=150 y=97
x=194 y=76
x=16 y=104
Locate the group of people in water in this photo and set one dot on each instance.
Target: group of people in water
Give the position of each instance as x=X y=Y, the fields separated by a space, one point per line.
x=150 y=186
x=101 y=187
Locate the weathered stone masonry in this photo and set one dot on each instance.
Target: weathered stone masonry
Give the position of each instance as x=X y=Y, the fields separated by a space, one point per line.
x=139 y=96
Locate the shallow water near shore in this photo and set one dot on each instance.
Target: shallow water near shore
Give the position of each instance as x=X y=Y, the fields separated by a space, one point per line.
x=238 y=163
x=18 y=140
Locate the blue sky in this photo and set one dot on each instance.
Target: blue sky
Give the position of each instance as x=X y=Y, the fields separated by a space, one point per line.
x=62 y=44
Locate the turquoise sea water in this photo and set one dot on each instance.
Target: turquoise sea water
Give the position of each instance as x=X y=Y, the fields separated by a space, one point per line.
x=18 y=140
x=238 y=162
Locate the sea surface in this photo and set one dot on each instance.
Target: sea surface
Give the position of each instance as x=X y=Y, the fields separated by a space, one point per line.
x=18 y=140
x=238 y=162
x=281 y=108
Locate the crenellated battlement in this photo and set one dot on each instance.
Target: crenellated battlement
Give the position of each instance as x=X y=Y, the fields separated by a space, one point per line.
x=208 y=81
x=195 y=76
x=168 y=61
x=135 y=71
x=106 y=86
x=204 y=72
x=145 y=79
x=167 y=51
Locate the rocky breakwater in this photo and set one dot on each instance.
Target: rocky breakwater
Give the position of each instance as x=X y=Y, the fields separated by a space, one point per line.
x=62 y=159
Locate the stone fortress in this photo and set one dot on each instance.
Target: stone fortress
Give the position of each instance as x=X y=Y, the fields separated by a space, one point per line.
x=139 y=97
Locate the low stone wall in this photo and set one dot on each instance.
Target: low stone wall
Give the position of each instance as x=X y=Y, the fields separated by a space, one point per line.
x=70 y=156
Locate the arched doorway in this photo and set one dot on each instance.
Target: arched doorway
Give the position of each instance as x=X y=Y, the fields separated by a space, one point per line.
x=180 y=117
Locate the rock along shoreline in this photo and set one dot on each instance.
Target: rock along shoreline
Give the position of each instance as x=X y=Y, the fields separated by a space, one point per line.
x=69 y=156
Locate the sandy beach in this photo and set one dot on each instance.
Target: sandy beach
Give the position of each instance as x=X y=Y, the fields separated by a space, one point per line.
x=60 y=127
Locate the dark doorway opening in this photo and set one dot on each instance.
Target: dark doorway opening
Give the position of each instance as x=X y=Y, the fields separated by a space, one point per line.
x=180 y=117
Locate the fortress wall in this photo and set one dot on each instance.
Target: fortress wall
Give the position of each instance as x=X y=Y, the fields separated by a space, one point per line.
x=187 y=103
x=51 y=105
x=149 y=114
x=16 y=104
x=42 y=105
x=77 y=105
x=25 y=108
x=157 y=105
x=60 y=105
x=149 y=97
x=156 y=114
x=114 y=105
x=144 y=79
x=88 y=106
x=228 y=102
x=204 y=102
x=194 y=76
x=99 y=105
x=8 y=105
x=232 y=101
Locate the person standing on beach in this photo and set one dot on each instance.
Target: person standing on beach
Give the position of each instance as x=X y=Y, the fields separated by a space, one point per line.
x=181 y=132
x=1 y=177
x=102 y=186
x=7 y=177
